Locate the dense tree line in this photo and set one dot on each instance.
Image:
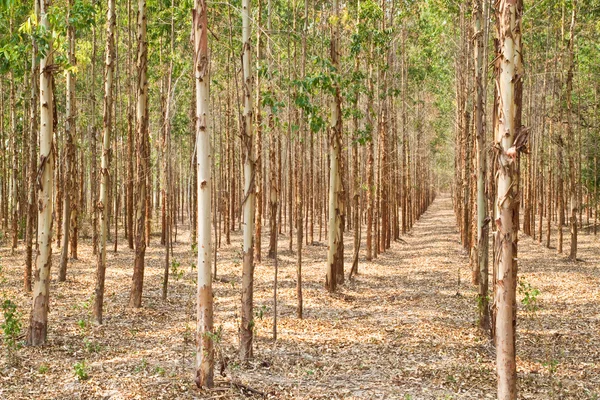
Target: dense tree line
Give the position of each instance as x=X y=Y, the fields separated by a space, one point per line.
x=304 y=119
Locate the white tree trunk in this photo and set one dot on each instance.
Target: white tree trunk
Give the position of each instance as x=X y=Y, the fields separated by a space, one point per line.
x=204 y=329
x=509 y=22
x=38 y=326
x=105 y=163
x=247 y=326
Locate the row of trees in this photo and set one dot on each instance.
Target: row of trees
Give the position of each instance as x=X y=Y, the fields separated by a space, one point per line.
x=304 y=117
x=358 y=113
x=535 y=128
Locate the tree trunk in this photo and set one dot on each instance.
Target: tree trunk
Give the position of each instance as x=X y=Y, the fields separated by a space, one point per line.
x=570 y=140
x=33 y=131
x=247 y=325
x=135 y=296
x=106 y=156
x=38 y=325
x=509 y=23
x=69 y=184
x=482 y=223
x=335 y=258
x=204 y=310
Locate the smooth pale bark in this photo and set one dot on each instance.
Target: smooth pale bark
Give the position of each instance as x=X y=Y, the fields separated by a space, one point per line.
x=570 y=139
x=509 y=23
x=130 y=138
x=335 y=258
x=166 y=175
x=247 y=324
x=38 y=323
x=479 y=116
x=204 y=306
x=94 y=151
x=69 y=176
x=135 y=296
x=258 y=179
x=13 y=193
x=105 y=163
x=33 y=131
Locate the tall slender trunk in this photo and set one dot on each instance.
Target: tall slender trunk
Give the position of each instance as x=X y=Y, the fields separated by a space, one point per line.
x=130 y=133
x=335 y=257
x=258 y=162
x=247 y=325
x=105 y=164
x=33 y=134
x=13 y=193
x=482 y=223
x=38 y=325
x=570 y=138
x=166 y=162
x=204 y=310
x=135 y=296
x=509 y=23
x=69 y=184
x=94 y=147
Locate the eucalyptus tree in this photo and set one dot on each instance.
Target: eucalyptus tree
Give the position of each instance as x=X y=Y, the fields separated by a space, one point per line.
x=335 y=252
x=104 y=201
x=38 y=323
x=480 y=22
x=69 y=198
x=135 y=295
x=33 y=129
x=507 y=144
x=204 y=330
x=247 y=138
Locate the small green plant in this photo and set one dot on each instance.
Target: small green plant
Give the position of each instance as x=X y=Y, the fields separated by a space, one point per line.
x=82 y=324
x=176 y=272
x=11 y=328
x=143 y=365
x=159 y=371
x=260 y=312
x=408 y=397
x=43 y=368
x=90 y=346
x=216 y=335
x=552 y=366
x=81 y=371
x=530 y=295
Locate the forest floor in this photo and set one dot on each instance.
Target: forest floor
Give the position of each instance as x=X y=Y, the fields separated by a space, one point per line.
x=405 y=328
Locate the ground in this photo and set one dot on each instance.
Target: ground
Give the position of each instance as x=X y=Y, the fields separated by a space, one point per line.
x=405 y=328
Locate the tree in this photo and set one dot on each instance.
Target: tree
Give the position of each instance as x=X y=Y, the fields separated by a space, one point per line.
x=38 y=323
x=204 y=331
x=570 y=139
x=247 y=326
x=69 y=176
x=33 y=128
x=480 y=28
x=335 y=258
x=508 y=140
x=105 y=166
x=135 y=296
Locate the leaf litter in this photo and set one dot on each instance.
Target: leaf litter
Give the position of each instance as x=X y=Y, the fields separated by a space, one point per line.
x=404 y=328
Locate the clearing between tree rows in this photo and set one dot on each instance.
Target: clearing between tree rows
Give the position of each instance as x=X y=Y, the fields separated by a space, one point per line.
x=405 y=328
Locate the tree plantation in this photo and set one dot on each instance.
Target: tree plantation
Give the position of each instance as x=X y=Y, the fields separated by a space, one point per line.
x=299 y=199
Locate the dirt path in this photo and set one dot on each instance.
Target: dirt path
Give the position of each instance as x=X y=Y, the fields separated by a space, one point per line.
x=398 y=331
